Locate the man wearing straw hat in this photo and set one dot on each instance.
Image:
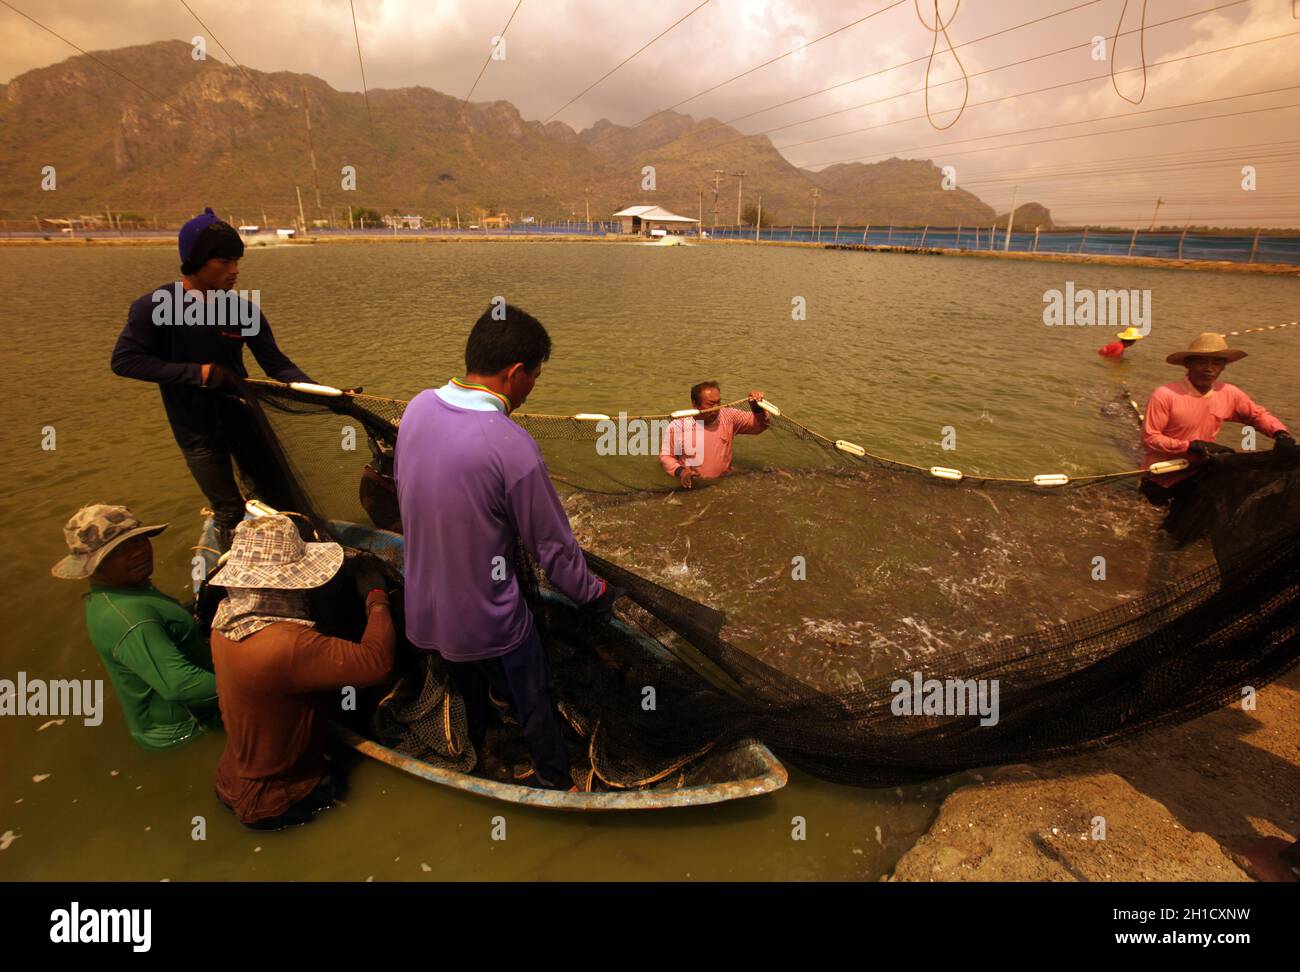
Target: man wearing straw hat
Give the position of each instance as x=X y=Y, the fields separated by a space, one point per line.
x=280 y=679
x=1184 y=417
x=1124 y=339
x=152 y=649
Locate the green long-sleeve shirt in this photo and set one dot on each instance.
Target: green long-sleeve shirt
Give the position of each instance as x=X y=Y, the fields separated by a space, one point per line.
x=158 y=661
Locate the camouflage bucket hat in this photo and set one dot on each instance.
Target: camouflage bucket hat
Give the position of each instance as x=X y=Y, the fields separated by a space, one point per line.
x=268 y=552
x=93 y=533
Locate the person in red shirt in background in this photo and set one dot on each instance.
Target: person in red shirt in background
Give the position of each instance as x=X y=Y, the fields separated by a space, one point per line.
x=1124 y=339
x=700 y=447
x=1184 y=417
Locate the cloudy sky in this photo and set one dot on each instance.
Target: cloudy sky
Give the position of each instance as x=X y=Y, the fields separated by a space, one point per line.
x=876 y=59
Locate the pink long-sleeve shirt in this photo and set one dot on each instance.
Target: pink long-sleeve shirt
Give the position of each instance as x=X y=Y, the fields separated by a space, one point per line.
x=689 y=442
x=1178 y=414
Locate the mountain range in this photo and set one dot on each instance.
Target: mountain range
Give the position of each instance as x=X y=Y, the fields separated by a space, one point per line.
x=190 y=133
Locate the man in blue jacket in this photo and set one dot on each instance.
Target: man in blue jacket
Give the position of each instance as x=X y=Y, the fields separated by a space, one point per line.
x=189 y=337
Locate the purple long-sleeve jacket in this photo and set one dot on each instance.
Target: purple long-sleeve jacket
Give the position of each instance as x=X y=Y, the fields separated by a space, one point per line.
x=469 y=481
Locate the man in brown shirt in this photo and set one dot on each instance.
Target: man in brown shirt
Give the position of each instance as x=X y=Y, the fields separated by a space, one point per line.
x=278 y=679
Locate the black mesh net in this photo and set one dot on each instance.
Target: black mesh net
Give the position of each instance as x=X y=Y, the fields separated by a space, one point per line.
x=882 y=681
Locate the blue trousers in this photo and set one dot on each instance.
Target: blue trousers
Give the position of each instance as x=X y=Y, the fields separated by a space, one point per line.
x=522 y=679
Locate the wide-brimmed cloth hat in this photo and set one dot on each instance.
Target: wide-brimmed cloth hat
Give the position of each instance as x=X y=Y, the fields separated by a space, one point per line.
x=1130 y=334
x=93 y=533
x=268 y=552
x=1207 y=345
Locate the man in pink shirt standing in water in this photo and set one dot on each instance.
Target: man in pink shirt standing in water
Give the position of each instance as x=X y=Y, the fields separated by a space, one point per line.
x=699 y=447
x=1184 y=417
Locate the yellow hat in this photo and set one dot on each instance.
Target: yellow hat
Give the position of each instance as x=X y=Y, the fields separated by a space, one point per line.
x=1130 y=334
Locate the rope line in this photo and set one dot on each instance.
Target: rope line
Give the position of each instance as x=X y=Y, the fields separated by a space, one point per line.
x=1142 y=49
x=941 y=27
x=1255 y=330
x=839 y=446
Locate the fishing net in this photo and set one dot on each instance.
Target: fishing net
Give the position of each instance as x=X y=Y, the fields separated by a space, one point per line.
x=868 y=687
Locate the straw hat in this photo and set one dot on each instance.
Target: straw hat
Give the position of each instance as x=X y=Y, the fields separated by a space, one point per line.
x=93 y=533
x=1130 y=334
x=269 y=552
x=1207 y=345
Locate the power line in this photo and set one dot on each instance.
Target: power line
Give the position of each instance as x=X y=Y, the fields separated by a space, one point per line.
x=1023 y=94
x=756 y=67
x=1001 y=67
x=365 y=92
x=208 y=30
x=488 y=60
x=101 y=63
x=1086 y=121
x=624 y=61
x=918 y=60
x=1283 y=152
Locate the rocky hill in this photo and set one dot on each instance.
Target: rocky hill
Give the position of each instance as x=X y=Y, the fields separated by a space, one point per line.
x=205 y=133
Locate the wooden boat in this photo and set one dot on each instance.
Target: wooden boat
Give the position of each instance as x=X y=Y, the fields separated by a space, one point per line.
x=741 y=770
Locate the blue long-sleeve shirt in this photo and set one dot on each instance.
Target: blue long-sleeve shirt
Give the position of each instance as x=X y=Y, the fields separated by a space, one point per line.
x=469 y=481
x=173 y=355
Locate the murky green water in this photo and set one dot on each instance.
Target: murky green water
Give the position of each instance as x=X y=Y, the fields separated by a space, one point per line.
x=894 y=348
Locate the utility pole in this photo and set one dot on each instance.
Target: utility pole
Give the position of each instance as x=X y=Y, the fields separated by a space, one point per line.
x=1159 y=202
x=587 y=203
x=740 y=190
x=758 y=224
x=815 y=194
x=717 y=183
x=1006 y=246
x=311 y=148
x=301 y=218
x=699 y=230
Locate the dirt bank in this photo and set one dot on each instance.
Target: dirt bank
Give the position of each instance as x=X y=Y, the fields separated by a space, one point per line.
x=168 y=239
x=1210 y=800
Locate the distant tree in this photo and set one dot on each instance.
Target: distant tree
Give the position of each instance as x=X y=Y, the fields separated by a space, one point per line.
x=372 y=216
x=749 y=216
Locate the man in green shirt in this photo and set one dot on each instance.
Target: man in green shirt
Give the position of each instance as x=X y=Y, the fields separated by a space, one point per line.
x=152 y=648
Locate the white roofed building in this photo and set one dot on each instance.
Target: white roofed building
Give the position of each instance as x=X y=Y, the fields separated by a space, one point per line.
x=641 y=220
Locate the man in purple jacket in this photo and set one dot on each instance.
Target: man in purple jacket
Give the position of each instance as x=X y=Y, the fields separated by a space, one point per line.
x=469 y=482
x=173 y=336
